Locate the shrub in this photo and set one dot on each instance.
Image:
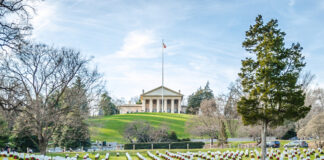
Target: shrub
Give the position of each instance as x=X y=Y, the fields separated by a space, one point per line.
x=173 y=145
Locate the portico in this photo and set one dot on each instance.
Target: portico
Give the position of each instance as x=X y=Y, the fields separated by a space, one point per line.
x=152 y=100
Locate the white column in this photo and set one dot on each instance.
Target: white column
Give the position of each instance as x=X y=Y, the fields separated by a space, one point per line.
x=143 y=105
x=151 y=105
x=158 y=105
x=165 y=105
x=179 y=105
x=172 y=105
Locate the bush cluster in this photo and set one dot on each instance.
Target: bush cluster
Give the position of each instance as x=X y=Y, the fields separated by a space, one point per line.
x=165 y=145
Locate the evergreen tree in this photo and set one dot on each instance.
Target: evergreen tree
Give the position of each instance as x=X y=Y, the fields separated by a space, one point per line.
x=197 y=97
x=173 y=137
x=269 y=79
x=75 y=132
x=4 y=132
x=79 y=92
x=106 y=105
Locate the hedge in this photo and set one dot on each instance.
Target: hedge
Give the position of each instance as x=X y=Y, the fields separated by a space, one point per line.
x=165 y=145
x=3 y=141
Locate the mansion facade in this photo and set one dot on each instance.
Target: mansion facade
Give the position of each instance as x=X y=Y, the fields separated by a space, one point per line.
x=152 y=102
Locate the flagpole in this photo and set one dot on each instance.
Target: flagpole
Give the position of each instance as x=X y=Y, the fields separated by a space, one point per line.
x=162 y=76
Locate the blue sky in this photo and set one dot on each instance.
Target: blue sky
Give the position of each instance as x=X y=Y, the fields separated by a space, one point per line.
x=203 y=38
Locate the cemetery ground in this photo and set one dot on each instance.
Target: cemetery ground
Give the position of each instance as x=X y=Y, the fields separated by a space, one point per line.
x=210 y=152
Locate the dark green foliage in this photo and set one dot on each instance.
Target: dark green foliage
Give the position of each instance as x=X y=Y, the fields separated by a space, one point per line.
x=289 y=134
x=75 y=136
x=79 y=92
x=4 y=139
x=4 y=132
x=106 y=105
x=185 y=140
x=22 y=141
x=74 y=132
x=173 y=137
x=4 y=129
x=173 y=145
x=269 y=78
x=197 y=97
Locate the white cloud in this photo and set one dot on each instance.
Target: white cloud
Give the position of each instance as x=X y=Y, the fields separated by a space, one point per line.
x=140 y=44
x=46 y=14
x=291 y=2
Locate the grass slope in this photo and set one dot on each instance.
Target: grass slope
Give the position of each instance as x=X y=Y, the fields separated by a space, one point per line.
x=111 y=128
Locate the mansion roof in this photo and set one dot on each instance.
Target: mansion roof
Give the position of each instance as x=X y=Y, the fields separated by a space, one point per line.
x=167 y=92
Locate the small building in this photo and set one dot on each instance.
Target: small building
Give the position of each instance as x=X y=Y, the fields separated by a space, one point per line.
x=152 y=102
x=130 y=108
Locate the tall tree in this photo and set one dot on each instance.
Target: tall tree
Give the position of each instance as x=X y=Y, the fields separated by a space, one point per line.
x=41 y=75
x=197 y=97
x=229 y=102
x=75 y=132
x=77 y=96
x=106 y=105
x=14 y=23
x=269 y=78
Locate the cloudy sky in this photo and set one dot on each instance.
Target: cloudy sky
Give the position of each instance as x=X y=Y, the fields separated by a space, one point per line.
x=203 y=38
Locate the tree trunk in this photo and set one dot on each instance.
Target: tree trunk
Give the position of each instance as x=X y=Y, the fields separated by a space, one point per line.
x=211 y=141
x=42 y=146
x=263 y=140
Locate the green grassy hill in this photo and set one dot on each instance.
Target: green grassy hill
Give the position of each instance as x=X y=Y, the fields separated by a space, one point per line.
x=111 y=128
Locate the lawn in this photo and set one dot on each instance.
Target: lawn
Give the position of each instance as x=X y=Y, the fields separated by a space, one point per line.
x=111 y=128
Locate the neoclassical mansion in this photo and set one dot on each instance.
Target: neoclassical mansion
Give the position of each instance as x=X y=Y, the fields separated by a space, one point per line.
x=152 y=102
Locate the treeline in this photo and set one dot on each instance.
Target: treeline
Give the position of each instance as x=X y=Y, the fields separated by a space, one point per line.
x=223 y=107
x=46 y=92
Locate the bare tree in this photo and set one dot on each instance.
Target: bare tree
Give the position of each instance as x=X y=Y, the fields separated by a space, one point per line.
x=160 y=134
x=142 y=131
x=40 y=76
x=139 y=130
x=315 y=98
x=306 y=79
x=209 y=122
x=229 y=103
x=315 y=129
x=14 y=23
x=249 y=131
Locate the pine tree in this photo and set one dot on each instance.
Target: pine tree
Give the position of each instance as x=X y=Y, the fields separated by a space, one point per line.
x=106 y=105
x=197 y=97
x=269 y=79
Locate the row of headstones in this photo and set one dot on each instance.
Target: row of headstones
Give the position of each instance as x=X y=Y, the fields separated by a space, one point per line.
x=97 y=156
x=140 y=156
x=22 y=156
x=154 y=157
x=209 y=155
x=273 y=154
x=164 y=156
